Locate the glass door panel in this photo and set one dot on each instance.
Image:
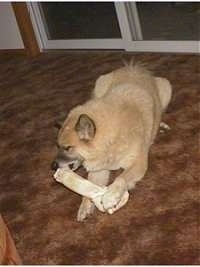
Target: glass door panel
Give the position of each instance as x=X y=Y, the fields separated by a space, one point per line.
x=80 y=20
x=169 y=20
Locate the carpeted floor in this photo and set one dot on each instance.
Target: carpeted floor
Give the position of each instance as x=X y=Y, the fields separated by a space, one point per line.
x=159 y=225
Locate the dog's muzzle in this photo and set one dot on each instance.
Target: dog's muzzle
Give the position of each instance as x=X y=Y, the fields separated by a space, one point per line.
x=54 y=165
x=62 y=160
x=72 y=164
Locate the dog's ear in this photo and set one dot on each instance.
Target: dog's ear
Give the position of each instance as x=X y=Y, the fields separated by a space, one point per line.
x=85 y=128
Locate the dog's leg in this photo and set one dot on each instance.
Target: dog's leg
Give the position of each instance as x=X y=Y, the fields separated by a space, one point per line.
x=87 y=206
x=126 y=181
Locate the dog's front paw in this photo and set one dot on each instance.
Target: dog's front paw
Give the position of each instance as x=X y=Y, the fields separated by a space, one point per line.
x=114 y=194
x=86 y=208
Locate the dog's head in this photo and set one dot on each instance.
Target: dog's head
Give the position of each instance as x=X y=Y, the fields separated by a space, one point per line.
x=75 y=141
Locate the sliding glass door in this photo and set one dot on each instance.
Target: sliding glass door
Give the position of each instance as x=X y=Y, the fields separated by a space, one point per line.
x=131 y=26
x=78 y=25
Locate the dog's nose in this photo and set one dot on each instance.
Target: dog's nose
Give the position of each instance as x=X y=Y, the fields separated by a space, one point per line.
x=54 y=165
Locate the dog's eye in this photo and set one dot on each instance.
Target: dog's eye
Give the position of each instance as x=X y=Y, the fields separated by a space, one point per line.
x=68 y=148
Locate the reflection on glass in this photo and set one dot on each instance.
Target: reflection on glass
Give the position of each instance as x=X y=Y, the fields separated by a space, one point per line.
x=80 y=20
x=169 y=20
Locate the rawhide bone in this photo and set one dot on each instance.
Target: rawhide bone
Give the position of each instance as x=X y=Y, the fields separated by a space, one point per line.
x=86 y=188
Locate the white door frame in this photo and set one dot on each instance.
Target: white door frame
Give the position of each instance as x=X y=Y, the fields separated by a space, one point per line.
x=132 y=39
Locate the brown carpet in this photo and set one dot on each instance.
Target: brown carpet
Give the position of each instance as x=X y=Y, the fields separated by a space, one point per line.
x=159 y=225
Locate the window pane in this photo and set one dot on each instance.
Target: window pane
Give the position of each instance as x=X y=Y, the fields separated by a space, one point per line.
x=80 y=20
x=169 y=20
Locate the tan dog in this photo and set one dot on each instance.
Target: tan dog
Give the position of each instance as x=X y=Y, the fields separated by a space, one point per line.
x=115 y=129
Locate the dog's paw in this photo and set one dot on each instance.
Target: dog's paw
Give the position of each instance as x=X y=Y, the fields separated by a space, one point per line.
x=86 y=208
x=114 y=194
x=164 y=127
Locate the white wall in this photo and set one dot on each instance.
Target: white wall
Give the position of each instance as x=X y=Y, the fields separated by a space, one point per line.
x=10 y=37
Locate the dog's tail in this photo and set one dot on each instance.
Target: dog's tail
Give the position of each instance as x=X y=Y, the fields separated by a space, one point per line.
x=128 y=63
x=132 y=66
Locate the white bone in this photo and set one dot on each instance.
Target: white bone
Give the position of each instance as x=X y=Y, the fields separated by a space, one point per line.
x=78 y=184
x=86 y=188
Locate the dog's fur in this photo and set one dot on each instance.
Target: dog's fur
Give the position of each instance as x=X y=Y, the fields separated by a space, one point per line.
x=115 y=129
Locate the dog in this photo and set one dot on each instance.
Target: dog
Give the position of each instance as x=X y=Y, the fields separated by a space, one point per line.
x=114 y=129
